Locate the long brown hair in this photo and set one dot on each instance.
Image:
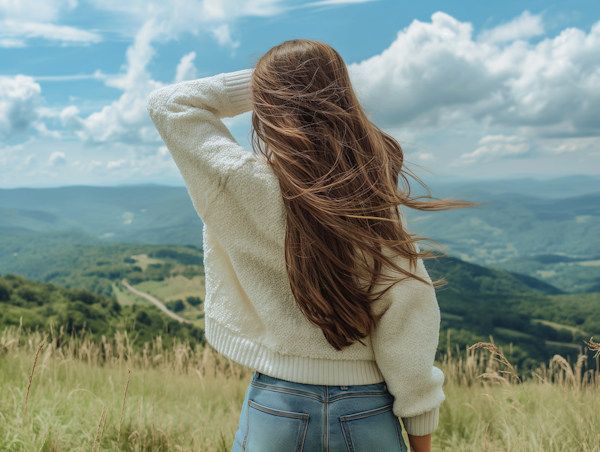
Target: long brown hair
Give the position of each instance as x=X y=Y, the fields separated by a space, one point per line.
x=339 y=175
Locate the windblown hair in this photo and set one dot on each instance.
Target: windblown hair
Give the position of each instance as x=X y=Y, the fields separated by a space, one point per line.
x=339 y=176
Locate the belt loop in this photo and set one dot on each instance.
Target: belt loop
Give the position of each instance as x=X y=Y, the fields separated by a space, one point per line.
x=257 y=375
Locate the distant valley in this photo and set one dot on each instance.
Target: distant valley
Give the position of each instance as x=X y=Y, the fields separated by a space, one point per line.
x=537 y=318
x=548 y=229
x=137 y=214
x=523 y=267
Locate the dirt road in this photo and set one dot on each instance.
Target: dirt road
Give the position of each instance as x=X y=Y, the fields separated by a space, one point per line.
x=155 y=302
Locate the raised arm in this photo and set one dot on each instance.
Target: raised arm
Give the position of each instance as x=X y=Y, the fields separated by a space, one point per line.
x=187 y=116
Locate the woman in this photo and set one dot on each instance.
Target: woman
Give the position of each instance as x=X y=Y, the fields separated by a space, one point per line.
x=297 y=236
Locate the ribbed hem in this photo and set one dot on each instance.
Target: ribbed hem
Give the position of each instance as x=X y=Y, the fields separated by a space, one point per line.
x=297 y=369
x=422 y=424
x=237 y=85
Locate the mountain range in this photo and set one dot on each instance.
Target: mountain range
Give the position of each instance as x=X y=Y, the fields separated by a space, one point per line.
x=521 y=221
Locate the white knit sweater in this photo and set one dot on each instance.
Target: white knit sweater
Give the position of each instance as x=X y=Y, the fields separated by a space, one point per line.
x=251 y=315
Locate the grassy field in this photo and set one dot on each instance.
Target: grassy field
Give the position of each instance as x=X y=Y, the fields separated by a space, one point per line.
x=174 y=288
x=558 y=326
x=126 y=297
x=84 y=396
x=142 y=260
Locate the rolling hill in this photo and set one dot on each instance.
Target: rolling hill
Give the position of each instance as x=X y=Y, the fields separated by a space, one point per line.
x=521 y=219
x=135 y=214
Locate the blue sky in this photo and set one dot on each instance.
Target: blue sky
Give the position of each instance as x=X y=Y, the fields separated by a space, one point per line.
x=469 y=89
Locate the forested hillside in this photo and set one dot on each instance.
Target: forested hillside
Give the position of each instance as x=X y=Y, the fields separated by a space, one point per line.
x=537 y=318
x=79 y=312
x=79 y=260
x=524 y=267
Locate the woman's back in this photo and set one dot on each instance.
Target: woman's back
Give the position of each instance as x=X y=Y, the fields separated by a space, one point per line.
x=285 y=294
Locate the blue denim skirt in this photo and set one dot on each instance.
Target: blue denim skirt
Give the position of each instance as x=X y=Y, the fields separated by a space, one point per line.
x=282 y=416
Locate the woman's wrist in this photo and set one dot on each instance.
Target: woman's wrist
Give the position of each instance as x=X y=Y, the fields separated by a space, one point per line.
x=420 y=443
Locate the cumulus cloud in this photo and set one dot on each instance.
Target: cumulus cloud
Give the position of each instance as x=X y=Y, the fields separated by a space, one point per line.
x=181 y=16
x=335 y=2
x=11 y=43
x=15 y=29
x=36 y=10
x=223 y=36
x=43 y=130
x=570 y=145
x=57 y=159
x=20 y=99
x=125 y=120
x=436 y=74
x=523 y=27
x=116 y=163
x=423 y=156
x=186 y=69
x=30 y=162
x=495 y=146
x=24 y=19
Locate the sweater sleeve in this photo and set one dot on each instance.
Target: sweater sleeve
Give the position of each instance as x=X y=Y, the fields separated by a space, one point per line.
x=405 y=342
x=187 y=116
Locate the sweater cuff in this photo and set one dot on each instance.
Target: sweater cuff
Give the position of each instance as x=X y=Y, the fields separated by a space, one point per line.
x=422 y=424
x=237 y=85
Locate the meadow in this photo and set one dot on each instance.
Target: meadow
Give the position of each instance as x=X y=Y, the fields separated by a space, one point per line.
x=68 y=393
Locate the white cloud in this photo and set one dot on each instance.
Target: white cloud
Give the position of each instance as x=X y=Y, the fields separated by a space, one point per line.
x=423 y=156
x=20 y=98
x=435 y=74
x=31 y=162
x=57 y=159
x=98 y=75
x=126 y=119
x=335 y=2
x=570 y=145
x=37 y=10
x=186 y=69
x=116 y=163
x=12 y=43
x=523 y=27
x=179 y=16
x=223 y=36
x=68 y=117
x=25 y=19
x=42 y=129
x=495 y=146
x=66 y=34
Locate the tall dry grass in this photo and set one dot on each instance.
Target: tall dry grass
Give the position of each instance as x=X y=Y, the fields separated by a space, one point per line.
x=108 y=396
x=60 y=393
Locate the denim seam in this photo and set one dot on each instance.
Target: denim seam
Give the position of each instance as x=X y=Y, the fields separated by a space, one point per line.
x=275 y=388
x=246 y=434
x=364 y=414
x=325 y=421
x=301 y=445
x=364 y=394
x=268 y=386
x=348 y=440
x=274 y=412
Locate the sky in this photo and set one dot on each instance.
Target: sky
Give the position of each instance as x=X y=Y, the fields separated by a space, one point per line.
x=469 y=89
